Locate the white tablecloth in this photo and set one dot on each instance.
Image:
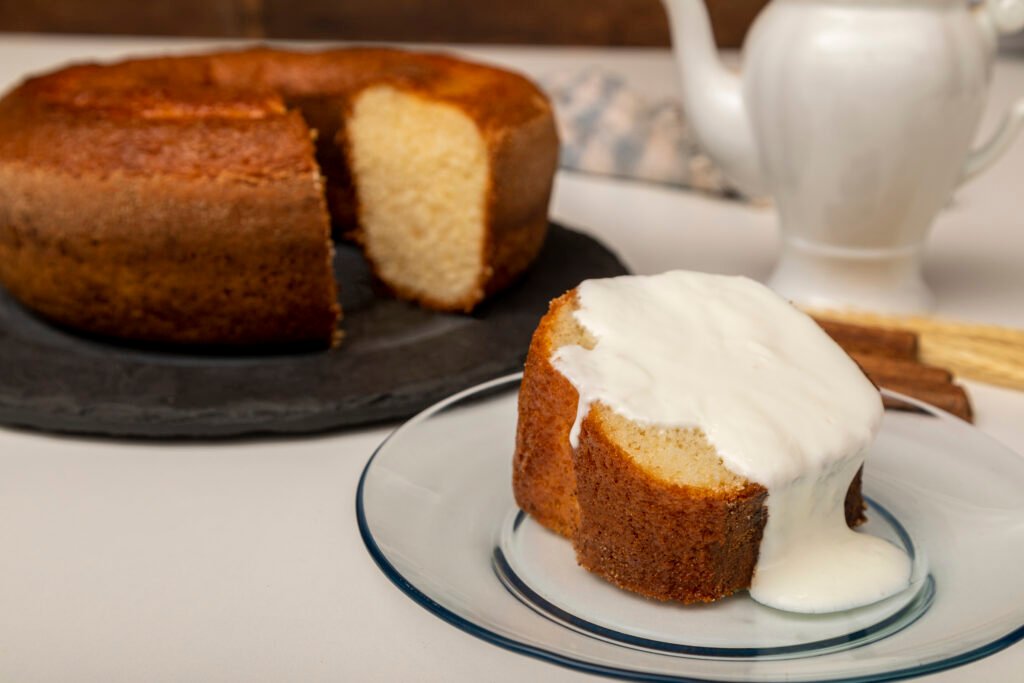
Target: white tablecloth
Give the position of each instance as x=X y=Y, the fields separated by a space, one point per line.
x=242 y=561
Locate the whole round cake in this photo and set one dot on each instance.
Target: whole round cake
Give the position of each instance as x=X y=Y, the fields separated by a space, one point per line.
x=695 y=435
x=191 y=199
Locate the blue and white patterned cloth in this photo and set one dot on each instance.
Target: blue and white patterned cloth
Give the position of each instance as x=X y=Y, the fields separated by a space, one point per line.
x=608 y=129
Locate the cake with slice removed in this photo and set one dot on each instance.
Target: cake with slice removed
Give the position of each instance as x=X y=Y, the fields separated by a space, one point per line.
x=191 y=199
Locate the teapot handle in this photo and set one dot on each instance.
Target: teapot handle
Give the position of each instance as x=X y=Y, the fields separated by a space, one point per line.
x=993 y=148
x=995 y=17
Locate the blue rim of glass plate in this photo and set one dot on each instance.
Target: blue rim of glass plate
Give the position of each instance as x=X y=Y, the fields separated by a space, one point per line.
x=512 y=645
x=915 y=608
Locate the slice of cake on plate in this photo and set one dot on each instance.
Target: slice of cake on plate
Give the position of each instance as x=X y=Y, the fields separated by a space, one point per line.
x=695 y=435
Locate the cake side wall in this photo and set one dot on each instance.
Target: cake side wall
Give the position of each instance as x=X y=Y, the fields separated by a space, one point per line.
x=661 y=540
x=326 y=116
x=542 y=475
x=854 y=506
x=169 y=258
x=523 y=162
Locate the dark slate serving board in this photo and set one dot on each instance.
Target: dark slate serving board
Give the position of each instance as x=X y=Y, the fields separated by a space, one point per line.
x=396 y=359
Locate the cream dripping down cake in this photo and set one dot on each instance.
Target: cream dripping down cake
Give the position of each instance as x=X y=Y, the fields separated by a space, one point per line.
x=695 y=435
x=191 y=199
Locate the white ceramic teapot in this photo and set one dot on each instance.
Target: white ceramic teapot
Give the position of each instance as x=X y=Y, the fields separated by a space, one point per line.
x=857 y=117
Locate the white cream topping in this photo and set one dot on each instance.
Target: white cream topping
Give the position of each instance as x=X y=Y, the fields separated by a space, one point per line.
x=783 y=405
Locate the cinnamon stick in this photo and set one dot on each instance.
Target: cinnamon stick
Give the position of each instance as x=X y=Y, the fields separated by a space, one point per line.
x=876 y=341
x=889 y=358
x=947 y=396
x=882 y=368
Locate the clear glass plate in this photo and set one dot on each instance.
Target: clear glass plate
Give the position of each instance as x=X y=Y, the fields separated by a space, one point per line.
x=436 y=512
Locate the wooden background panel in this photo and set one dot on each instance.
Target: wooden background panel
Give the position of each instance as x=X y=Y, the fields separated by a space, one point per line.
x=546 y=22
x=732 y=18
x=574 y=22
x=137 y=17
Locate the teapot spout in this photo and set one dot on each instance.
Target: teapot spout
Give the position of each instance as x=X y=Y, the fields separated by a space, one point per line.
x=713 y=97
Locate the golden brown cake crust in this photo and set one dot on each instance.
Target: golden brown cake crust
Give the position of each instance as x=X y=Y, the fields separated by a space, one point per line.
x=543 y=479
x=522 y=164
x=130 y=190
x=238 y=280
x=662 y=540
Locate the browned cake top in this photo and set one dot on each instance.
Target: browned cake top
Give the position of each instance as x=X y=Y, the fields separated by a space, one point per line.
x=153 y=115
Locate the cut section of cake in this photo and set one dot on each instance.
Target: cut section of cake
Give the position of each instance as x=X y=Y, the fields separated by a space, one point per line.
x=695 y=435
x=421 y=178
